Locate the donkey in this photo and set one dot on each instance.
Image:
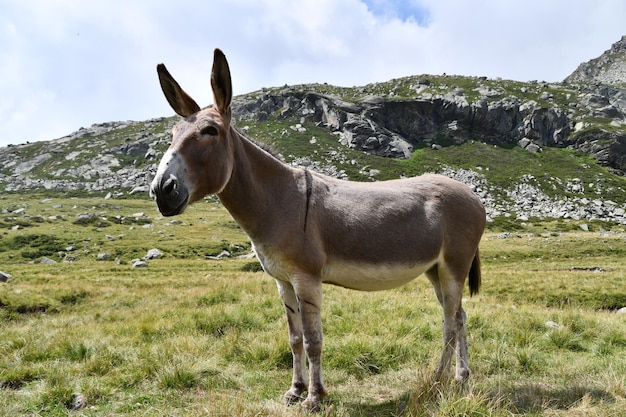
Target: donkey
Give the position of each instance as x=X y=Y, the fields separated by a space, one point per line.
x=307 y=228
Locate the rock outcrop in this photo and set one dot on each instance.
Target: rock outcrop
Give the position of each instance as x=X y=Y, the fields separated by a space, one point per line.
x=395 y=127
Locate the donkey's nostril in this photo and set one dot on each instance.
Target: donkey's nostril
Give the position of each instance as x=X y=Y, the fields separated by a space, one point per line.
x=170 y=185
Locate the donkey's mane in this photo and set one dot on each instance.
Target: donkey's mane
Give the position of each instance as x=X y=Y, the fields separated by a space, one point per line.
x=270 y=149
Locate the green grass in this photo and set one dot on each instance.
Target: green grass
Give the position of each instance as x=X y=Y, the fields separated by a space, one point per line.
x=191 y=336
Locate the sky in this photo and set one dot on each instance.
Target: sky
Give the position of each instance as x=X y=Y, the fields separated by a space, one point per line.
x=67 y=64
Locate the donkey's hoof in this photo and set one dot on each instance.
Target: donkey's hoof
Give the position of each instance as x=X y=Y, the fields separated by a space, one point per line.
x=462 y=375
x=311 y=405
x=292 y=398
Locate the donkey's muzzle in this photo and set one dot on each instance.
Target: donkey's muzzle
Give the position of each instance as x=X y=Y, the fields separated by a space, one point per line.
x=170 y=195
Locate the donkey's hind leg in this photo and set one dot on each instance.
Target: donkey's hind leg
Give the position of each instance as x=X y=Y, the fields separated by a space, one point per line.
x=462 y=357
x=449 y=291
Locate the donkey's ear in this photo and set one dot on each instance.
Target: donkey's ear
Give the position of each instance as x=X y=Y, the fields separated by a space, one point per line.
x=220 y=82
x=176 y=96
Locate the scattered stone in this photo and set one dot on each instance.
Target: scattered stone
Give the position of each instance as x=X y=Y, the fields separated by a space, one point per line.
x=552 y=325
x=103 y=257
x=78 y=402
x=4 y=277
x=85 y=218
x=588 y=268
x=584 y=227
x=621 y=310
x=533 y=148
x=138 y=263
x=546 y=96
x=222 y=254
x=153 y=254
x=139 y=190
x=523 y=143
x=47 y=261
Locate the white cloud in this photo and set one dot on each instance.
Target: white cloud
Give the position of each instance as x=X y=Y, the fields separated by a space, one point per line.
x=70 y=63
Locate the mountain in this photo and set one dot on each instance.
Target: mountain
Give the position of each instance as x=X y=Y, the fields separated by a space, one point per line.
x=608 y=69
x=529 y=149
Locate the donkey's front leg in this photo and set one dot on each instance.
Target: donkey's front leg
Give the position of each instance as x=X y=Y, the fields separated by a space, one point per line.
x=309 y=292
x=292 y=308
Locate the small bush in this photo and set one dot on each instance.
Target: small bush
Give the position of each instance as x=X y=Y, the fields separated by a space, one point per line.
x=77 y=352
x=73 y=297
x=219 y=324
x=179 y=379
x=563 y=338
x=252 y=267
x=57 y=396
x=217 y=297
x=34 y=246
x=16 y=378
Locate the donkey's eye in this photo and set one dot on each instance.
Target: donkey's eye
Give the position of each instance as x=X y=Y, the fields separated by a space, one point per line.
x=209 y=130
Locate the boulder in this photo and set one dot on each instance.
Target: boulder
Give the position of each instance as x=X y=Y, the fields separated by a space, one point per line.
x=138 y=263
x=4 y=277
x=523 y=142
x=47 y=261
x=85 y=218
x=533 y=148
x=222 y=254
x=78 y=402
x=153 y=254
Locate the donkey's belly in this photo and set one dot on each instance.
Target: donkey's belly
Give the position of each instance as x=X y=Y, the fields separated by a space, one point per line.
x=371 y=277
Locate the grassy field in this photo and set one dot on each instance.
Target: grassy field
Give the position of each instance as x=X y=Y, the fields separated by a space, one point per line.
x=191 y=336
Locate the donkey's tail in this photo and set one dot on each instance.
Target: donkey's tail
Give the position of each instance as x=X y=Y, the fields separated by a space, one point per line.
x=474 y=274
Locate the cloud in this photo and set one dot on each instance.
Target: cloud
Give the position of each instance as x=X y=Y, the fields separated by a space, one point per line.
x=70 y=63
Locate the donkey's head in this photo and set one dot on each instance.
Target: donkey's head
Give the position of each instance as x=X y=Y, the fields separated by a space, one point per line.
x=200 y=158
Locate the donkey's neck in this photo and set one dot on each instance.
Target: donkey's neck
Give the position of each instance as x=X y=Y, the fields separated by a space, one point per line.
x=258 y=185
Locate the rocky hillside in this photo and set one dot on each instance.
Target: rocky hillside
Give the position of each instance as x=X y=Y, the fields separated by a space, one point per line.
x=530 y=150
x=608 y=69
